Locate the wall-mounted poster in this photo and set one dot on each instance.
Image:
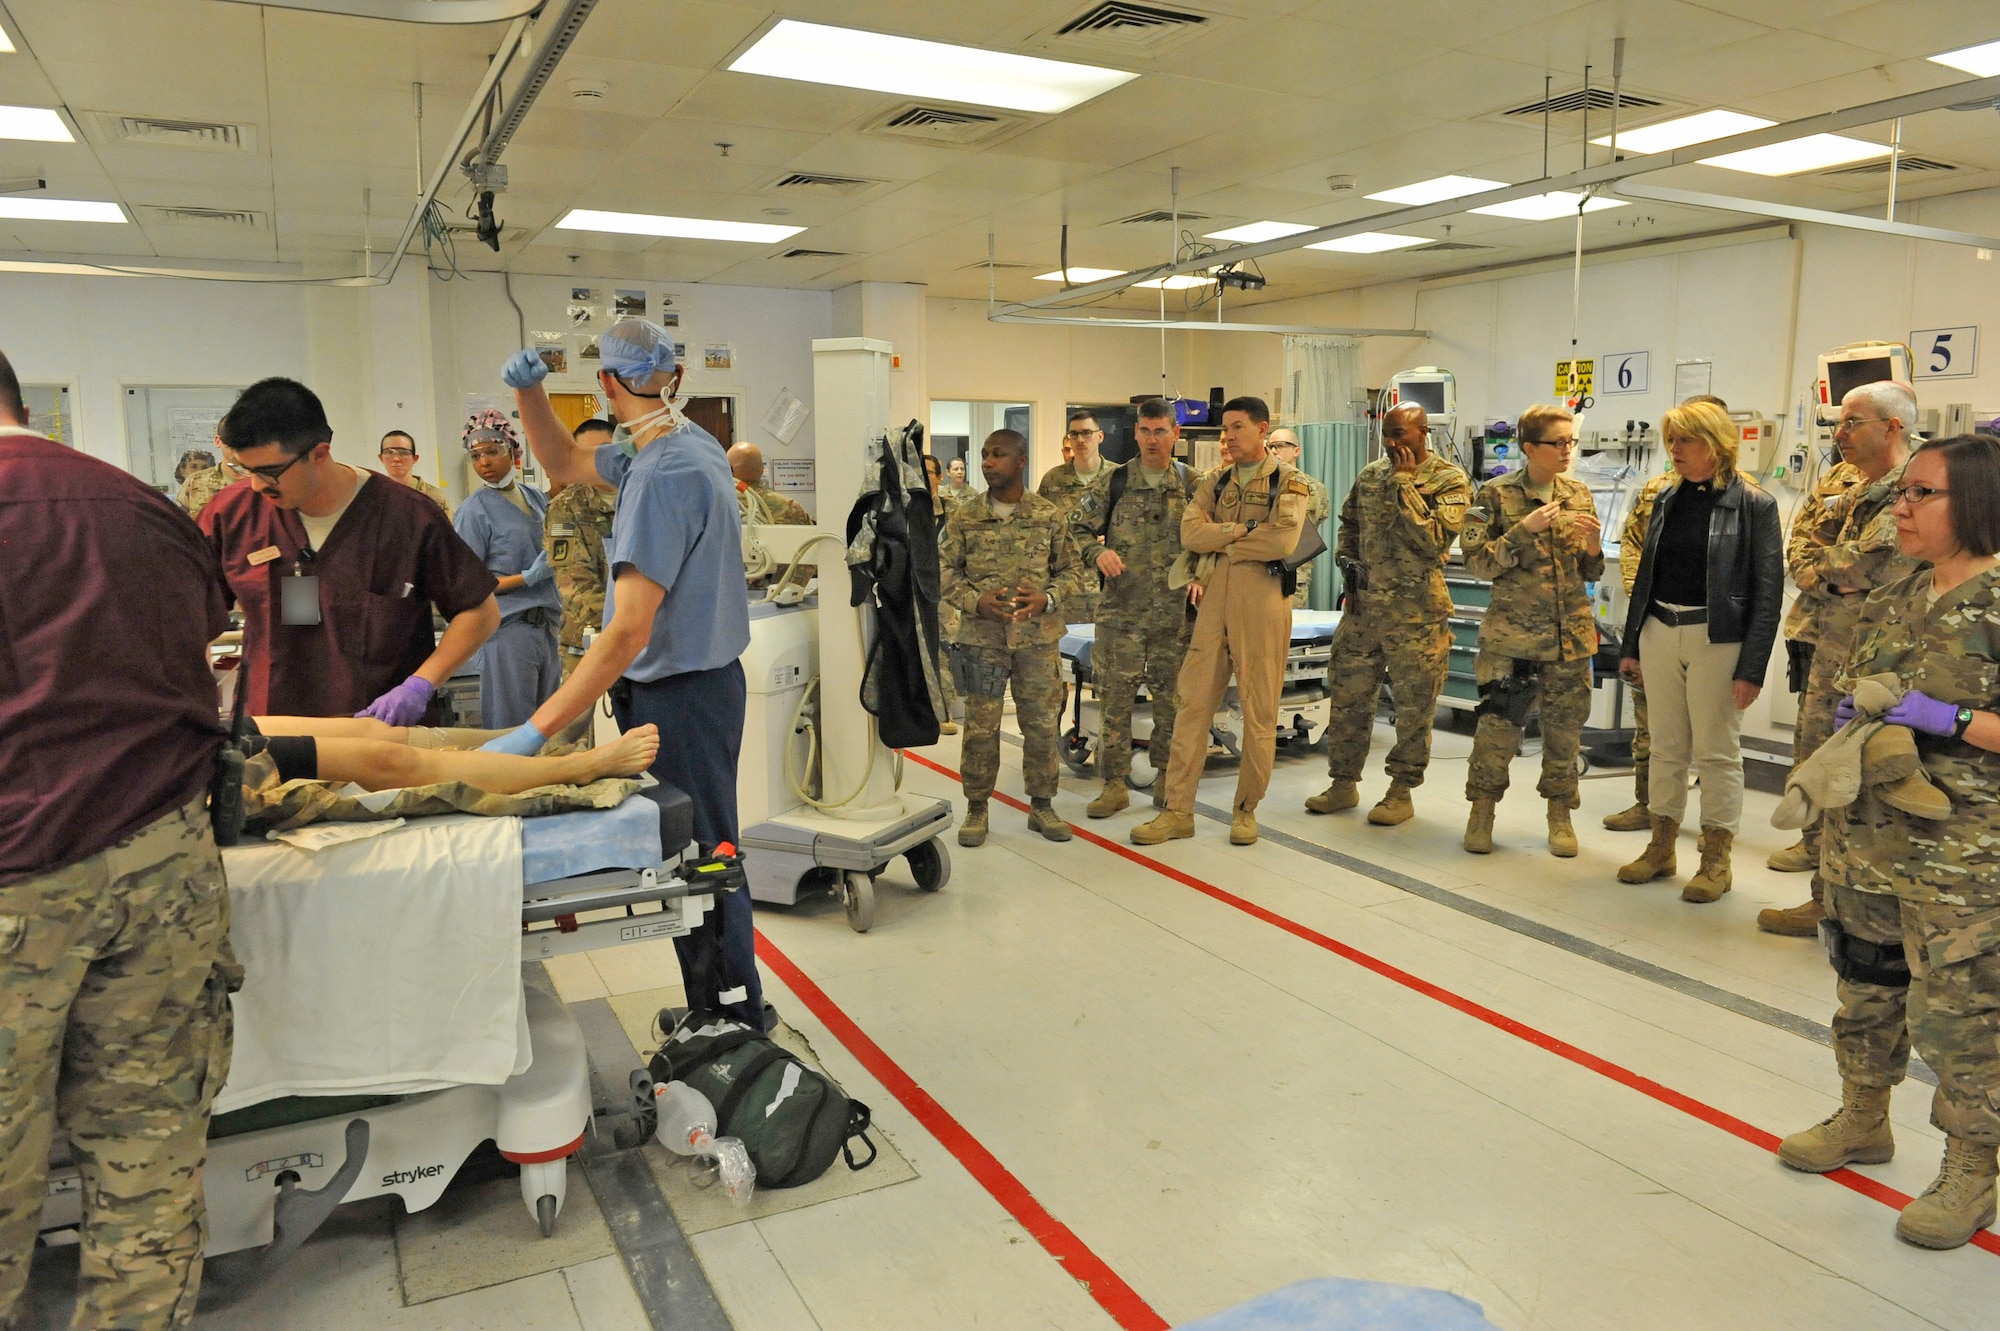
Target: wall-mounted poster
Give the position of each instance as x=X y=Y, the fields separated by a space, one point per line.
x=628 y=303
x=586 y=347
x=670 y=318
x=718 y=356
x=582 y=316
x=553 y=348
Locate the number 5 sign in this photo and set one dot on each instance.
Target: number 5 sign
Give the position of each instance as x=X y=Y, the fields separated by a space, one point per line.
x=1944 y=353
x=1626 y=372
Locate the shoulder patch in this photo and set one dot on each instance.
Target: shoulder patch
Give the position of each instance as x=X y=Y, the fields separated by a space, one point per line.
x=1297 y=485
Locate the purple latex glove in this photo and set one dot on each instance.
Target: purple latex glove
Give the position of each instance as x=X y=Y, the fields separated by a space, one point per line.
x=1925 y=714
x=1843 y=711
x=403 y=705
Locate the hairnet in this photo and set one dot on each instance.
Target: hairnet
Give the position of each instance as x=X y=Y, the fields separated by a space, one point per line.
x=639 y=352
x=490 y=425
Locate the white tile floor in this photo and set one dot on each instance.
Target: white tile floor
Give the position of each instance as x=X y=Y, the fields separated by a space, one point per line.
x=1216 y=1107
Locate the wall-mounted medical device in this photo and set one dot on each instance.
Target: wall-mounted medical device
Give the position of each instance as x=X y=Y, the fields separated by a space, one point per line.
x=1845 y=369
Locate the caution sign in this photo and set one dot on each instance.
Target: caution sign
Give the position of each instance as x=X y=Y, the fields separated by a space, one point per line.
x=1573 y=377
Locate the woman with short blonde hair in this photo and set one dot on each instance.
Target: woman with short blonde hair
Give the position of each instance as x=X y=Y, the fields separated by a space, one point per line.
x=1698 y=635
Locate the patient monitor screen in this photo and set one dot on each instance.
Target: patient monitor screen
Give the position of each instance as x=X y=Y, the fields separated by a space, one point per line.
x=1844 y=376
x=1428 y=394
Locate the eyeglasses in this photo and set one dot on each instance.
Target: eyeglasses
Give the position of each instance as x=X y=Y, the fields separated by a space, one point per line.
x=483 y=453
x=1082 y=434
x=1552 y=443
x=1848 y=423
x=276 y=470
x=398 y=453
x=1917 y=494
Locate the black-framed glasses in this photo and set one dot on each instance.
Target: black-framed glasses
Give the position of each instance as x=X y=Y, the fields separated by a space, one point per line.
x=1552 y=443
x=1917 y=494
x=398 y=453
x=1847 y=423
x=1082 y=434
x=275 y=471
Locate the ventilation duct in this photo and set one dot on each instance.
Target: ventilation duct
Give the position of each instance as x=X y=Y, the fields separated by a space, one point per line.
x=951 y=126
x=1131 y=27
x=114 y=129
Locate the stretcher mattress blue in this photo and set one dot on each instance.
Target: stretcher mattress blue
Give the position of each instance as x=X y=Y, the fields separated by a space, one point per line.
x=1309 y=627
x=1354 y=1305
x=564 y=845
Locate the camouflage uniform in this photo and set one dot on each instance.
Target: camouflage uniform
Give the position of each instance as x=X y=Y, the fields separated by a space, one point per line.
x=1945 y=875
x=1398 y=527
x=756 y=503
x=982 y=552
x=198 y=489
x=430 y=492
x=1319 y=507
x=941 y=509
x=954 y=495
x=115 y=1031
x=1631 y=545
x=1539 y=614
x=1142 y=623
x=577 y=527
x=1062 y=487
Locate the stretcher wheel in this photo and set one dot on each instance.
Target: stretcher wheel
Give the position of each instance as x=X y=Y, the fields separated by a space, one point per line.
x=545 y=1215
x=1076 y=752
x=1582 y=762
x=857 y=894
x=930 y=862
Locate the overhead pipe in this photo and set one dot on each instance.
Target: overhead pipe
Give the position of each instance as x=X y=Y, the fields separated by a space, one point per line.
x=1793 y=213
x=449 y=12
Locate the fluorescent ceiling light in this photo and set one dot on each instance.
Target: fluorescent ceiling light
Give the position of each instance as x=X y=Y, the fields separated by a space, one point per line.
x=849 y=58
x=1252 y=232
x=1436 y=191
x=1370 y=242
x=37 y=124
x=1547 y=207
x=1815 y=152
x=6 y=43
x=1080 y=275
x=60 y=210
x=1983 y=61
x=1178 y=282
x=686 y=228
x=1679 y=133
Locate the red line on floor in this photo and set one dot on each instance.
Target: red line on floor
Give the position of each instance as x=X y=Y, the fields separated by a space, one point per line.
x=1057 y=1239
x=1604 y=1067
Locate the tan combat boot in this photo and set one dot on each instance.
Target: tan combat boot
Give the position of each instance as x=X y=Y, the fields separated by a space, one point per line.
x=1043 y=818
x=1800 y=921
x=1396 y=807
x=1636 y=818
x=1562 y=836
x=1479 y=828
x=1243 y=828
x=1340 y=795
x=1657 y=859
x=1714 y=877
x=1958 y=1205
x=1795 y=858
x=947 y=727
x=1855 y=1134
x=1168 y=826
x=972 y=832
x=1112 y=799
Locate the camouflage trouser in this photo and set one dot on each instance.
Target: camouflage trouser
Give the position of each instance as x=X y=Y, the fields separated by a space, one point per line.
x=1300 y=597
x=948 y=619
x=1813 y=728
x=1954 y=954
x=114 y=1029
x=1564 y=699
x=1034 y=676
x=1415 y=658
x=1124 y=657
x=1871 y=1040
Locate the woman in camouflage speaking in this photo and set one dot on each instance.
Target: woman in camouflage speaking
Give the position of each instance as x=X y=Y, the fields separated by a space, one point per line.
x=1938 y=632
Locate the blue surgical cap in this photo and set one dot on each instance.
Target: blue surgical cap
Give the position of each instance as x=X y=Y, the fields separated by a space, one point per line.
x=638 y=351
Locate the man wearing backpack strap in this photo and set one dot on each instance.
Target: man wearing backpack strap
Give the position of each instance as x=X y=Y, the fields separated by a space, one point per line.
x=1128 y=525
x=1237 y=527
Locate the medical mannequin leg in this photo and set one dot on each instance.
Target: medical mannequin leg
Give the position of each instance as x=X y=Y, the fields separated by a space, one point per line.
x=382 y=765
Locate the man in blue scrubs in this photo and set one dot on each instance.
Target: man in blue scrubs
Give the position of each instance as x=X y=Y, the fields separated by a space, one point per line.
x=676 y=614
x=519 y=666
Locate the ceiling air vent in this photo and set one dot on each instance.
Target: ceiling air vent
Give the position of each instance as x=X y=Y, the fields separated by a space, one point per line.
x=998 y=265
x=949 y=126
x=1881 y=168
x=1131 y=27
x=111 y=128
x=233 y=219
x=1158 y=215
x=814 y=254
x=1439 y=247
x=807 y=182
x=1573 y=102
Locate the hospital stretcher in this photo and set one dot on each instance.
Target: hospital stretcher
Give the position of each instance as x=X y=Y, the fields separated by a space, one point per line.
x=278 y=1168
x=1302 y=706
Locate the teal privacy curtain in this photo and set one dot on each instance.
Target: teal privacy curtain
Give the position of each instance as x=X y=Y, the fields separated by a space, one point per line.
x=1325 y=402
x=1335 y=453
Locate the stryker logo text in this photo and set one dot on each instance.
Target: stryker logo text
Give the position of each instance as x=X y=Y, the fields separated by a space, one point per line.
x=417 y=1175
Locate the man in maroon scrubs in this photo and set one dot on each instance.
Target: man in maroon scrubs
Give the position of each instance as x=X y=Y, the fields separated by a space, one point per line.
x=337 y=570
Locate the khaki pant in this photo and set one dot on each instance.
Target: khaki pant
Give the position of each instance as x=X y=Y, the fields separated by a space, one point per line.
x=1243 y=626
x=1691 y=706
x=115 y=1029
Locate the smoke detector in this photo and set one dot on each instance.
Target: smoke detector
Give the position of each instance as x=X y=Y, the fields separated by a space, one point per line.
x=1340 y=184
x=588 y=92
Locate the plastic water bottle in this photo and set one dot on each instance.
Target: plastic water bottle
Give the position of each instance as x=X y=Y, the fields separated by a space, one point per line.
x=687 y=1127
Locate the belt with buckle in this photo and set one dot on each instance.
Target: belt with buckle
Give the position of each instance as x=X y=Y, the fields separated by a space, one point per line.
x=1678 y=618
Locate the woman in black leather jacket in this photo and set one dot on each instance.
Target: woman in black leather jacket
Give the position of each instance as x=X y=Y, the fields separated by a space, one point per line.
x=1701 y=625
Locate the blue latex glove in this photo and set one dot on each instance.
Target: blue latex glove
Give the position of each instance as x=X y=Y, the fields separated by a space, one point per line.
x=1843 y=711
x=403 y=705
x=524 y=740
x=538 y=572
x=1924 y=714
x=524 y=369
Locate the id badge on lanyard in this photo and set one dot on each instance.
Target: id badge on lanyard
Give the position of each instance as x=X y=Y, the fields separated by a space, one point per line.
x=298 y=595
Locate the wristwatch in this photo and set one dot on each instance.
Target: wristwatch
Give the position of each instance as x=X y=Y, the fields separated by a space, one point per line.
x=1965 y=715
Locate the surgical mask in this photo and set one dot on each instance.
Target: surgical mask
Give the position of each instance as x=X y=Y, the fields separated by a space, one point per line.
x=621 y=436
x=504 y=483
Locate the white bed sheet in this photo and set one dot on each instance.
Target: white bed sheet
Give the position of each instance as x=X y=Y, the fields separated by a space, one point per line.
x=387 y=966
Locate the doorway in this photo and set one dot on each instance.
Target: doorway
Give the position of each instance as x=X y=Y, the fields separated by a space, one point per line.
x=717 y=415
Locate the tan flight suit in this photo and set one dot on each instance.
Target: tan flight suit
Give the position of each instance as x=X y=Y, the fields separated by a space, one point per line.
x=1244 y=623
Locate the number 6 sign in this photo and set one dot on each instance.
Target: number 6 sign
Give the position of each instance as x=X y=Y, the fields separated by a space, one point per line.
x=1944 y=353
x=1626 y=372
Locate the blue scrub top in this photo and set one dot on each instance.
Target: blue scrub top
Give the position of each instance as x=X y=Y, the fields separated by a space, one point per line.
x=678 y=525
x=507 y=541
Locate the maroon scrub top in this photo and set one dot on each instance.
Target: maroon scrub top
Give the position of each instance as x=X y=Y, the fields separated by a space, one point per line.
x=390 y=558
